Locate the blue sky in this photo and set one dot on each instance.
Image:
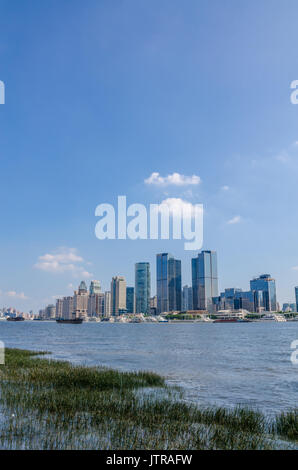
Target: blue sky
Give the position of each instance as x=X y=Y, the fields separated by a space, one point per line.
x=101 y=94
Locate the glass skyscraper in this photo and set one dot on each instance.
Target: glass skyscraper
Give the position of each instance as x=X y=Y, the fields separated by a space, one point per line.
x=204 y=280
x=168 y=283
x=266 y=284
x=142 y=287
x=130 y=299
x=187 y=298
x=296 y=298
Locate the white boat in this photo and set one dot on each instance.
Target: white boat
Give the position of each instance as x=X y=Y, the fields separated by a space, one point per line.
x=274 y=317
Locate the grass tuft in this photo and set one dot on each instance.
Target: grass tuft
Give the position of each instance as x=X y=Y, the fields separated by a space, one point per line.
x=47 y=404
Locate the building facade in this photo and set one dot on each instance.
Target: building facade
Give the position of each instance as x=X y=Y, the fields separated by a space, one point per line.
x=95 y=287
x=96 y=305
x=266 y=285
x=142 y=287
x=80 y=301
x=67 y=308
x=237 y=299
x=187 y=303
x=168 y=283
x=118 y=295
x=107 y=304
x=130 y=299
x=204 y=280
x=59 y=307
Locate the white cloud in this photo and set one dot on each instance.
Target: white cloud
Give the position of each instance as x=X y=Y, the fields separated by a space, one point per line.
x=295 y=268
x=175 y=179
x=86 y=274
x=16 y=295
x=178 y=207
x=283 y=157
x=225 y=187
x=63 y=260
x=235 y=220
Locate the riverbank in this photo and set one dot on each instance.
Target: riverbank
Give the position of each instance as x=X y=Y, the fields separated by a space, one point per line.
x=47 y=404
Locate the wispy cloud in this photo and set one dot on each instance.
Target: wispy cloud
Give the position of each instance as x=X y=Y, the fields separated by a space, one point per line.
x=283 y=157
x=175 y=179
x=225 y=188
x=235 y=220
x=63 y=260
x=16 y=295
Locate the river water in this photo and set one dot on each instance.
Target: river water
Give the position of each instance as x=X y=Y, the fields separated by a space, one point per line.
x=216 y=364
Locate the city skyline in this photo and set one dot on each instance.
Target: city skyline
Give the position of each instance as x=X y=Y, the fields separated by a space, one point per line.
x=158 y=102
x=144 y=279
x=202 y=295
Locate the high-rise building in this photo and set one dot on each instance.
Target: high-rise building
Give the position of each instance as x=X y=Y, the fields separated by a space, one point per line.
x=96 y=305
x=187 y=303
x=142 y=287
x=80 y=301
x=168 y=283
x=59 y=308
x=118 y=295
x=107 y=303
x=296 y=298
x=95 y=287
x=289 y=307
x=67 y=307
x=266 y=285
x=204 y=280
x=237 y=299
x=130 y=299
x=50 y=312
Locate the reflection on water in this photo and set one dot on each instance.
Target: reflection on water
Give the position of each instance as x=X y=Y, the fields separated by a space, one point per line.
x=222 y=364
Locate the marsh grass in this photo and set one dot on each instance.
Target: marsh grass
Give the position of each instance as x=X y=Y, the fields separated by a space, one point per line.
x=50 y=404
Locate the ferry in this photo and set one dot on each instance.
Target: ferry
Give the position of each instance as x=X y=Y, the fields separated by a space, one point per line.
x=15 y=319
x=274 y=317
x=73 y=321
x=226 y=320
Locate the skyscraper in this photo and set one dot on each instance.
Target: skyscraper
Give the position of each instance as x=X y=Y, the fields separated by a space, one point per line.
x=204 y=280
x=265 y=284
x=96 y=305
x=59 y=308
x=130 y=299
x=95 y=287
x=296 y=298
x=168 y=283
x=80 y=301
x=142 y=287
x=118 y=295
x=187 y=298
x=107 y=304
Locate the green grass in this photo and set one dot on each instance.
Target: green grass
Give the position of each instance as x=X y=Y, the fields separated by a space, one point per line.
x=50 y=404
